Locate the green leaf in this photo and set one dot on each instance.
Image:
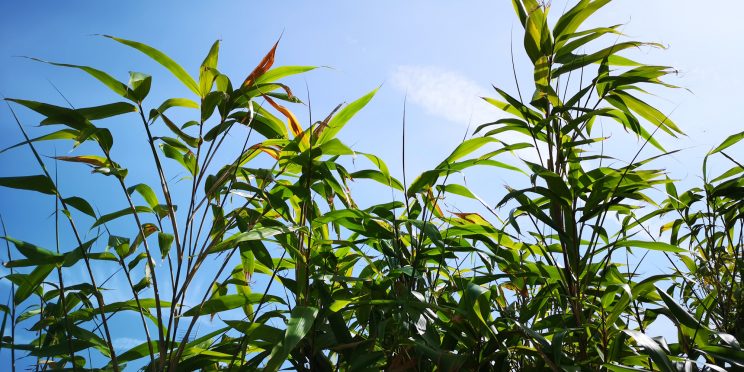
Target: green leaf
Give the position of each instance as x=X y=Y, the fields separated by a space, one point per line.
x=654 y=116
x=521 y=12
x=115 y=85
x=86 y=314
x=56 y=114
x=537 y=38
x=514 y=107
x=467 y=147
x=732 y=354
x=172 y=102
x=257 y=233
x=264 y=122
x=377 y=176
x=28 y=284
x=458 y=190
x=210 y=61
x=92 y=160
x=656 y=246
x=105 y=111
x=2 y=326
x=80 y=204
x=680 y=314
x=164 y=60
x=730 y=141
x=229 y=302
x=38 y=183
x=342 y=117
x=630 y=122
x=31 y=251
x=619 y=368
x=299 y=325
x=146 y=192
x=140 y=84
x=165 y=241
x=609 y=53
x=191 y=141
x=653 y=350
x=563 y=53
x=120 y=245
x=60 y=134
x=281 y=72
x=185 y=158
x=570 y=21
x=126 y=211
x=208 y=69
x=140 y=351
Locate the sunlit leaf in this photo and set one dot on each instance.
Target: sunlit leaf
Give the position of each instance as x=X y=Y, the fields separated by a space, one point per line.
x=164 y=60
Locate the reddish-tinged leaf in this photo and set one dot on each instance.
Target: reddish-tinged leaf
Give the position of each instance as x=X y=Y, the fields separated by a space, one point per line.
x=324 y=124
x=262 y=67
x=271 y=151
x=294 y=125
x=93 y=160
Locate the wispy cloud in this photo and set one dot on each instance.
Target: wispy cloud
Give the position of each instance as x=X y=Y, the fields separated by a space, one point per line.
x=454 y=97
x=444 y=93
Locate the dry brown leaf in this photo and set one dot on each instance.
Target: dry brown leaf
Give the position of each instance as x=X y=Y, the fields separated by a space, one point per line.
x=263 y=66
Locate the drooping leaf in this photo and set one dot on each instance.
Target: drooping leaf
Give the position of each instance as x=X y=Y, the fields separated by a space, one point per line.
x=164 y=60
x=258 y=233
x=80 y=204
x=113 y=84
x=570 y=21
x=31 y=251
x=60 y=134
x=56 y=114
x=165 y=241
x=114 y=215
x=172 y=102
x=146 y=192
x=105 y=111
x=40 y=183
x=191 y=141
x=294 y=125
x=653 y=350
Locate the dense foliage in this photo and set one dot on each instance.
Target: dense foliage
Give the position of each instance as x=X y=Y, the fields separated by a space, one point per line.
x=293 y=273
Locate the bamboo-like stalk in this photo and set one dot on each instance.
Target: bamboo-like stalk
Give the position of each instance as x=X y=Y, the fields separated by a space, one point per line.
x=86 y=259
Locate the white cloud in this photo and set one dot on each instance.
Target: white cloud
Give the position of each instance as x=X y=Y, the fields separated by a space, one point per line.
x=454 y=97
x=444 y=93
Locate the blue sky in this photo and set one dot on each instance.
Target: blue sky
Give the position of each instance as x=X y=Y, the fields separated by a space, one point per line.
x=443 y=54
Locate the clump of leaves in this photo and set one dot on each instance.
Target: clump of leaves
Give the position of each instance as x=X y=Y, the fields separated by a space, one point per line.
x=293 y=273
x=221 y=235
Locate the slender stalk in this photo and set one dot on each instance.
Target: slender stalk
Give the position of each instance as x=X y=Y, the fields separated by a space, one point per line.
x=62 y=301
x=171 y=210
x=140 y=309
x=150 y=263
x=12 y=302
x=86 y=259
x=208 y=158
